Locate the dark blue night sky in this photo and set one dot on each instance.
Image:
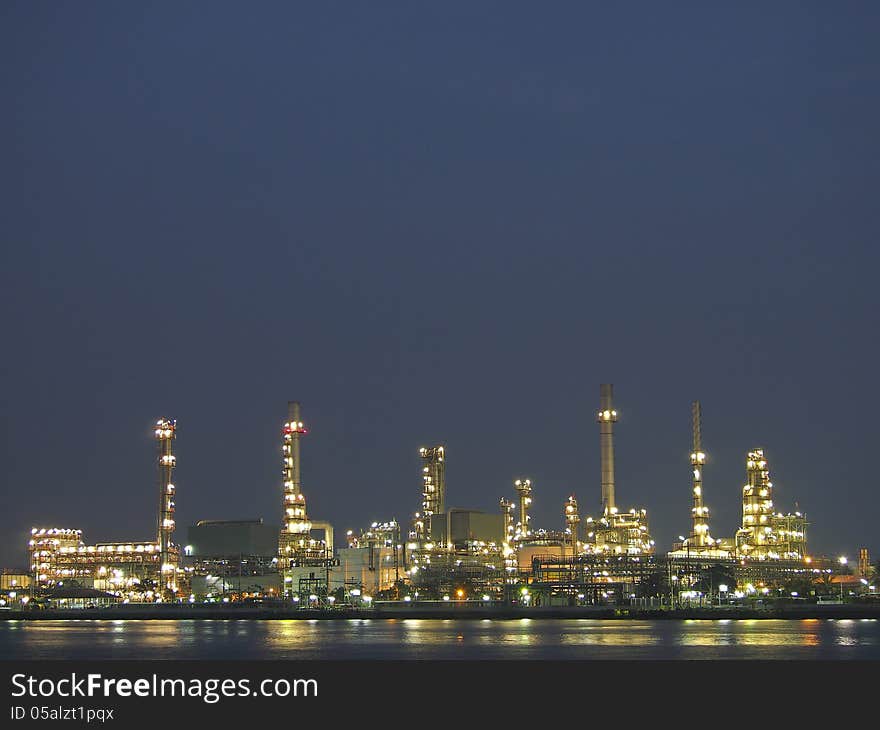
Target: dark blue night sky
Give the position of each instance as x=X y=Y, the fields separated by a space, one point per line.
x=442 y=222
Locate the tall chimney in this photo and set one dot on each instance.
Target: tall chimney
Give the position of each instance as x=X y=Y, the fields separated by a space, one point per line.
x=607 y=417
x=293 y=418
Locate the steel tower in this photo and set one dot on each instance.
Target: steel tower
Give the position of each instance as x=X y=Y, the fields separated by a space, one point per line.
x=166 y=431
x=700 y=513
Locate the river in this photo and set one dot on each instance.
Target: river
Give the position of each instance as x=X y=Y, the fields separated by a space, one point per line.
x=442 y=639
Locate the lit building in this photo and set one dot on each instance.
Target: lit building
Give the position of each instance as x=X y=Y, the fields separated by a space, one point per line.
x=59 y=555
x=14 y=581
x=864 y=563
x=46 y=548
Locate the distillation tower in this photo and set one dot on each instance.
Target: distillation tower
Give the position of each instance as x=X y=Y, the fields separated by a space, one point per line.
x=296 y=547
x=524 y=490
x=572 y=519
x=433 y=485
x=508 y=531
x=507 y=520
x=766 y=534
x=166 y=431
x=757 y=506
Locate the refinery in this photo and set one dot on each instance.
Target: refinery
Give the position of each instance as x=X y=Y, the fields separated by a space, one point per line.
x=445 y=556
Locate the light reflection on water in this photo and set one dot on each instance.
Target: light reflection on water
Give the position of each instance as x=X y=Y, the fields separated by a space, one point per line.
x=441 y=639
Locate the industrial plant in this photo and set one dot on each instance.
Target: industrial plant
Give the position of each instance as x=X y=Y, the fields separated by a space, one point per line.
x=148 y=569
x=443 y=554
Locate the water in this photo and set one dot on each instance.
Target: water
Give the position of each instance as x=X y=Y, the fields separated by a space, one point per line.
x=441 y=639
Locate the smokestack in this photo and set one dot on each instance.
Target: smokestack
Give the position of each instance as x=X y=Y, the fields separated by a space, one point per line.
x=293 y=418
x=607 y=417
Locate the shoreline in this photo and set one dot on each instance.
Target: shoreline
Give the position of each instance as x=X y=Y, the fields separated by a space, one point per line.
x=500 y=613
